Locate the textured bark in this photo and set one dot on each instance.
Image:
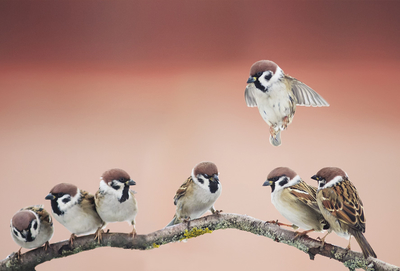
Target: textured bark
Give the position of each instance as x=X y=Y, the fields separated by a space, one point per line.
x=194 y=228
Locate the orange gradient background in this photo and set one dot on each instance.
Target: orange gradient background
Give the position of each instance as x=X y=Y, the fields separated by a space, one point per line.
x=154 y=87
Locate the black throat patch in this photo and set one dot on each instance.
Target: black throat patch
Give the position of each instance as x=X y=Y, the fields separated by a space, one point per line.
x=55 y=208
x=213 y=186
x=125 y=194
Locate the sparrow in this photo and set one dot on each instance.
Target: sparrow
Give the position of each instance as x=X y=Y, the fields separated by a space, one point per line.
x=276 y=95
x=114 y=201
x=197 y=194
x=295 y=200
x=31 y=227
x=342 y=207
x=74 y=209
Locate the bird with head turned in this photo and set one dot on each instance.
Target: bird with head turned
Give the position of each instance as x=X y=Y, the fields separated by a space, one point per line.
x=276 y=95
x=342 y=207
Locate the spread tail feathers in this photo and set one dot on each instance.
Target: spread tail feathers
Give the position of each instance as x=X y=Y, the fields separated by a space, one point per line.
x=364 y=245
x=174 y=221
x=276 y=141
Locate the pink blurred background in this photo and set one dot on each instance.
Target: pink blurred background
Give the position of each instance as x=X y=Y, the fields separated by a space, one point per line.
x=155 y=87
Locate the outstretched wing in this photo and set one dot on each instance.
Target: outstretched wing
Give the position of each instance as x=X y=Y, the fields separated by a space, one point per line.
x=304 y=94
x=182 y=190
x=249 y=95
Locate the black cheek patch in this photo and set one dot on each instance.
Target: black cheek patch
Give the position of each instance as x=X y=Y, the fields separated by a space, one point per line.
x=283 y=182
x=268 y=76
x=35 y=225
x=116 y=187
x=66 y=200
x=200 y=180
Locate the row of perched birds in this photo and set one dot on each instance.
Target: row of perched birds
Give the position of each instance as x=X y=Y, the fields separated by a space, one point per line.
x=334 y=206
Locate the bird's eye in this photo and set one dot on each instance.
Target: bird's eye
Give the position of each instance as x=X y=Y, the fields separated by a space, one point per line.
x=259 y=74
x=206 y=175
x=122 y=180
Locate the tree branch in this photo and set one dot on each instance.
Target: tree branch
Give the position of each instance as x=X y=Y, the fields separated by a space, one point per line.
x=207 y=224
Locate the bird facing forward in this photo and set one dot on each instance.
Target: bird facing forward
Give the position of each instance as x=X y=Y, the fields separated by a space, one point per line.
x=31 y=227
x=114 y=201
x=276 y=96
x=74 y=209
x=342 y=207
x=295 y=200
x=197 y=194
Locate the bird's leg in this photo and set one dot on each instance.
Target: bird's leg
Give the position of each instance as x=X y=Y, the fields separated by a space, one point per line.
x=133 y=232
x=323 y=239
x=71 y=239
x=285 y=122
x=215 y=212
x=282 y=224
x=99 y=235
x=46 y=245
x=19 y=253
x=298 y=234
x=272 y=132
x=349 y=247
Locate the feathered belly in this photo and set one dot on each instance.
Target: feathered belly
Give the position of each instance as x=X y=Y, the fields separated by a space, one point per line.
x=276 y=108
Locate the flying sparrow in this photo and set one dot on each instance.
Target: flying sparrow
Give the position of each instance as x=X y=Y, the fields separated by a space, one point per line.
x=31 y=227
x=74 y=209
x=114 y=201
x=295 y=200
x=197 y=194
x=276 y=94
x=341 y=206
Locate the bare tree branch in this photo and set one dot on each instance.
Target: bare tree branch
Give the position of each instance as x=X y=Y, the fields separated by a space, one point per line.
x=194 y=228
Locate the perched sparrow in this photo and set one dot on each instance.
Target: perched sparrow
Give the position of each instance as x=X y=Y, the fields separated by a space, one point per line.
x=31 y=227
x=295 y=200
x=74 y=209
x=114 y=201
x=341 y=206
x=198 y=194
x=276 y=95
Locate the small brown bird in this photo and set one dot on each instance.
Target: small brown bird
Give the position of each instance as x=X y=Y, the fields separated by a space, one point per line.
x=74 y=209
x=197 y=194
x=341 y=206
x=295 y=200
x=31 y=227
x=114 y=201
x=276 y=95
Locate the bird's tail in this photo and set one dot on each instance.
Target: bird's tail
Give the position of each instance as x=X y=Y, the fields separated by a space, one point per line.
x=364 y=245
x=174 y=221
x=276 y=141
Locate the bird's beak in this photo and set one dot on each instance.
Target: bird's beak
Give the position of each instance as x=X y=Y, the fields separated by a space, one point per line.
x=251 y=80
x=50 y=196
x=267 y=183
x=214 y=178
x=315 y=177
x=130 y=182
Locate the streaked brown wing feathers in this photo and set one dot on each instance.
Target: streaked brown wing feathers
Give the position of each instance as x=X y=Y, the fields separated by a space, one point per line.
x=182 y=189
x=343 y=202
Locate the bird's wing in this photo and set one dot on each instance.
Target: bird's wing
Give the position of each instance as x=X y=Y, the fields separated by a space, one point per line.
x=40 y=211
x=249 y=95
x=306 y=194
x=88 y=200
x=182 y=189
x=343 y=202
x=304 y=94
